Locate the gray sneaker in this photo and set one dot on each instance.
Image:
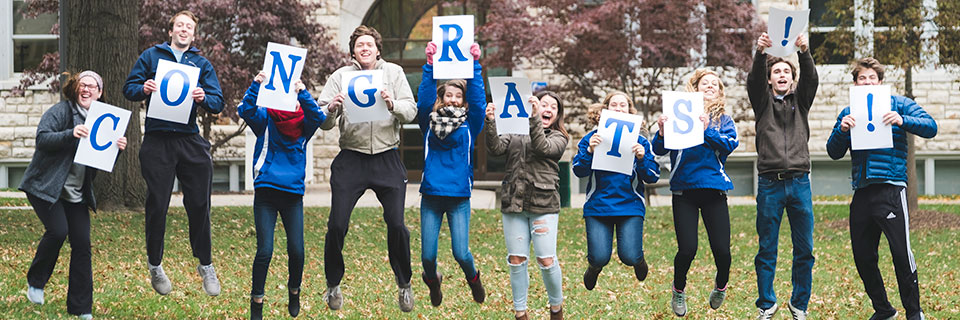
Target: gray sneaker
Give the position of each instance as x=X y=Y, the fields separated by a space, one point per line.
x=678 y=303
x=333 y=298
x=768 y=313
x=35 y=295
x=716 y=298
x=797 y=313
x=210 y=282
x=405 y=298
x=877 y=316
x=159 y=280
x=85 y=316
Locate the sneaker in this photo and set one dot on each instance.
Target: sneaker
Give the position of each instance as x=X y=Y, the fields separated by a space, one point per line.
x=35 y=295
x=256 y=310
x=405 y=297
x=640 y=269
x=678 y=303
x=590 y=277
x=210 y=282
x=767 y=314
x=293 y=306
x=159 y=281
x=476 y=288
x=86 y=316
x=878 y=316
x=716 y=297
x=436 y=295
x=797 y=313
x=558 y=315
x=333 y=298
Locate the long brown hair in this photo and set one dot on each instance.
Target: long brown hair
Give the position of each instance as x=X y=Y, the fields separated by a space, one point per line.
x=441 y=90
x=71 y=86
x=594 y=110
x=715 y=108
x=557 y=124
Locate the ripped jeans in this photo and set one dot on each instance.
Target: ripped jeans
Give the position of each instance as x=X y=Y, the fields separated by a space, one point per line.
x=519 y=230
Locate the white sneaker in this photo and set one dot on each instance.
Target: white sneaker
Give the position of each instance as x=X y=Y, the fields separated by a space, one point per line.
x=35 y=295
x=405 y=298
x=159 y=281
x=210 y=282
x=797 y=313
x=85 y=316
x=768 y=313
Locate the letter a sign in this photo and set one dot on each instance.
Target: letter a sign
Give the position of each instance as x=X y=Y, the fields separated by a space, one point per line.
x=363 y=102
x=172 y=101
x=620 y=132
x=283 y=65
x=453 y=36
x=513 y=111
x=107 y=124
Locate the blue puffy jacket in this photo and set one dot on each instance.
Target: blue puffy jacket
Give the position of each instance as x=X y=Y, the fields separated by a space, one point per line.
x=613 y=193
x=701 y=166
x=448 y=164
x=889 y=164
x=146 y=69
x=279 y=162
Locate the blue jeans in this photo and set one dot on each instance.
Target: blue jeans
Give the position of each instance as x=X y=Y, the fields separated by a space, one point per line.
x=267 y=203
x=772 y=197
x=458 y=217
x=600 y=239
x=519 y=231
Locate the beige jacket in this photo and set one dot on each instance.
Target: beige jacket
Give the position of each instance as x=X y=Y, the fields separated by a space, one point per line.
x=532 y=180
x=378 y=136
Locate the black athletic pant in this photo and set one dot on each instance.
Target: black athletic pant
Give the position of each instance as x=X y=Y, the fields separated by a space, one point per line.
x=63 y=220
x=164 y=156
x=687 y=208
x=352 y=173
x=882 y=208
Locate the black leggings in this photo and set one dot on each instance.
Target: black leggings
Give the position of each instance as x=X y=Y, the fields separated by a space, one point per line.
x=716 y=218
x=64 y=221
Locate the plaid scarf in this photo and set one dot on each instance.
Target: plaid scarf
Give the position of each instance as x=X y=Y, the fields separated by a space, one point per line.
x=289 y=123
x=446 y=120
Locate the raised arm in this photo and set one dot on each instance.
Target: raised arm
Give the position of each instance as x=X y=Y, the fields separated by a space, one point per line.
x=496 y=144
x=809 y=81
x=313 y=114
x=476 y=99
x=543 y=146
x=839 y=141
x=133 y=87
x=254 y=116
x=725 y=139
x=583 y=161
x=213 y=96
x=648 y=169
x=427 y=94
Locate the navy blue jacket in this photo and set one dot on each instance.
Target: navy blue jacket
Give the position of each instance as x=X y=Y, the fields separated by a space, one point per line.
x=278 y=161
x=448 y=165
x=889 y=164
x=146 y=69
x=701 y=166
x=614 y=193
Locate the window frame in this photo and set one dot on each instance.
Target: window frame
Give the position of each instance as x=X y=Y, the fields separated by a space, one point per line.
x=8 y=77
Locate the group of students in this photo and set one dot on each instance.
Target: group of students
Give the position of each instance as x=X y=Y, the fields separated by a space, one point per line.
x=451 y=114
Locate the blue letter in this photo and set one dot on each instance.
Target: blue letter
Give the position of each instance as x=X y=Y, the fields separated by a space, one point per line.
x=451 y=44
x=96 y=126
x=166 y=81
x=615 y=146
x=683 y=116
x=513 y=99
x=352 y=92
x=284 y=77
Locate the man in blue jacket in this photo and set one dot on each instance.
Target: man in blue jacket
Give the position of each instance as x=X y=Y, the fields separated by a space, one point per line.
x=879 y=178
x=170 y=147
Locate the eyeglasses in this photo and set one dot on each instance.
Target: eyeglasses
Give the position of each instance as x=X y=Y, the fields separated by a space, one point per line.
x=89 y=86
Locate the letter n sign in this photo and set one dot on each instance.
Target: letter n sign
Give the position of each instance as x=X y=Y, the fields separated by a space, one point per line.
x=453 y=36
x=283 y=65
x=172 y=101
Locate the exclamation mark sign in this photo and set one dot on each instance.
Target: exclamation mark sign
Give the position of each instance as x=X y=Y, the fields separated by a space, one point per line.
x=870 y=126
x=786 y=31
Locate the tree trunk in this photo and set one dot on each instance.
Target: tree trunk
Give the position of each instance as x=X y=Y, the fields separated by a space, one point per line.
x=103 y=38
x=913 y=186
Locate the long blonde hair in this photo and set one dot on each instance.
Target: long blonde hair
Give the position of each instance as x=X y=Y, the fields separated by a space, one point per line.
x=715 y=108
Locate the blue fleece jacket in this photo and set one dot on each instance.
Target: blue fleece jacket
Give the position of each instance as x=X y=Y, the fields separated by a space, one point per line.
x=448 y=165
x=613 y=193
x=701 y=166
x=278 y=161
x=146 y=68
x=881 y=165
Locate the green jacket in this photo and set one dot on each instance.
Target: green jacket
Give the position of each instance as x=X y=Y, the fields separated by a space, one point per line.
x=533 y=178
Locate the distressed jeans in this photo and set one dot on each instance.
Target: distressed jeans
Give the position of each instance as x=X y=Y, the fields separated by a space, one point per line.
x=519 y=230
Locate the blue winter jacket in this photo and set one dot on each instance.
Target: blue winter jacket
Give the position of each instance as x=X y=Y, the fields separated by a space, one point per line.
x=146 y=69
x=701 y=166
x=448 y=163
x=889 y=164
x=613 y=193
x=278 y=161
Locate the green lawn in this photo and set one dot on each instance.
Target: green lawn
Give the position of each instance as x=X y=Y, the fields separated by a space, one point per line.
x=122 y=288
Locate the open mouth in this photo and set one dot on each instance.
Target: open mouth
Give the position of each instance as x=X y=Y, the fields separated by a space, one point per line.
x=782 y=82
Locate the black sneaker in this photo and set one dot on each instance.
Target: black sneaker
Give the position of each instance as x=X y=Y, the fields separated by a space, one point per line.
x=294 y=305
x=590 y=277
x=476 y=288
x=256 y=310
x=640 y=269
x=436 y=295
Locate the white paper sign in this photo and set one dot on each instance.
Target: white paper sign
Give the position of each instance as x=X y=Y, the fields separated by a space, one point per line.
x=363 y=102
x=683 y=128
x=107 y=124
x=453 y=36
x=512 y=112
x=867 y=106
x=283 y=65
x=783 y=27
x=172 y=101
x=619 y=132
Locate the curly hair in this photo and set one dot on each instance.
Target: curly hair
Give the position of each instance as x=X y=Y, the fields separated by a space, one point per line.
x=716 y=107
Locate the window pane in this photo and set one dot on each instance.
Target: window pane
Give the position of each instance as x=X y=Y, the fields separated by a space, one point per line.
x=831 y=52
x=821 y=16
x=949 y=48
x=896 y=48
x=29 y=53
x=898 y=12
x=39 y=25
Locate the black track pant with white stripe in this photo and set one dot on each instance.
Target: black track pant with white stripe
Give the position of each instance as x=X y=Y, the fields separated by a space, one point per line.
x=882 y=208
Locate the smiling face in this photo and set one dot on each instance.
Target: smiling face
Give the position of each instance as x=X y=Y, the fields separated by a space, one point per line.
x=452 y=96
x=548 y=110
x=619 y=103
x=365 y=51
x=181 y=35
x=709 y=84
x=868 y=77
x=781 y=77
x=88 y=92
